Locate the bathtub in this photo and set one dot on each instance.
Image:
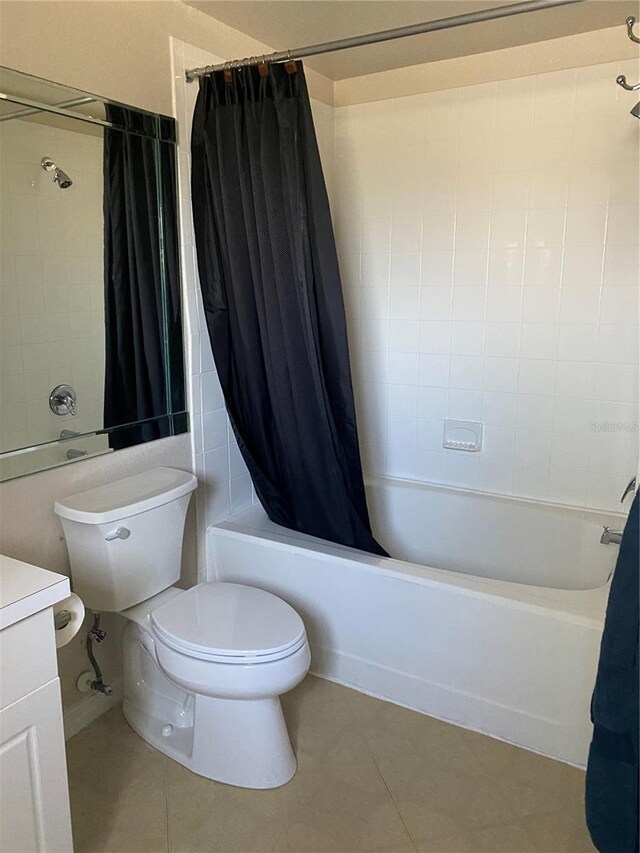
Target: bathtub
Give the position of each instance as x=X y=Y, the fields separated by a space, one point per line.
x=489 y=615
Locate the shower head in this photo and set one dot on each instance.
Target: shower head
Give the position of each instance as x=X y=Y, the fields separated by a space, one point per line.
x=636 y=110
x=59 y=177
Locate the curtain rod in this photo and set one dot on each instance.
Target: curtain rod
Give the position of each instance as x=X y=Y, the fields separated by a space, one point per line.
x=384 y=35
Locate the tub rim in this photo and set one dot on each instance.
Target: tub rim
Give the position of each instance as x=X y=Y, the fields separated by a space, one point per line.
x=582 y=606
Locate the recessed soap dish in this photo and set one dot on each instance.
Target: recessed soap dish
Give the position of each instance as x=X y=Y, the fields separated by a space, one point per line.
x=462 y=435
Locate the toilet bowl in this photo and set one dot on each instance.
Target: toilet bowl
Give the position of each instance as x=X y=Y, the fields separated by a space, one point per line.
x=203 y=668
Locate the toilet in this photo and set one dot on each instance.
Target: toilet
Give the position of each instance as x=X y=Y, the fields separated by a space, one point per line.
x=203 y=668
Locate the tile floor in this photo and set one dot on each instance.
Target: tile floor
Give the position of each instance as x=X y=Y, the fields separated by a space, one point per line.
x=371 y=777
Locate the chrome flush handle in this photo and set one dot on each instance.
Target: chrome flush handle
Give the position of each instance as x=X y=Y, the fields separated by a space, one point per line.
x=118 y=533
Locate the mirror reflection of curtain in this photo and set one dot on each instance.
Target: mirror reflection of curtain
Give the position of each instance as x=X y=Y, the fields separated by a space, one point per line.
x=136 y=382
x=273 y=300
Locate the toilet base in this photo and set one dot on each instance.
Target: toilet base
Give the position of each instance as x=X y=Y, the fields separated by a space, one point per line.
x=241 y=742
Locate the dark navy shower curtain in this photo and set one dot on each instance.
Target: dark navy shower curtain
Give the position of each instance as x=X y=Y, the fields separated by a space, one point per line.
x=273 y=299
x=612 y=804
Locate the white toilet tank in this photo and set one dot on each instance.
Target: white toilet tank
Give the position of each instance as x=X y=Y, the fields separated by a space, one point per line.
x=125 y=538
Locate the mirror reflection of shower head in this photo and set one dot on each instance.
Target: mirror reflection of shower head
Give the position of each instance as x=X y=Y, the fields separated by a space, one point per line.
x=59 y=177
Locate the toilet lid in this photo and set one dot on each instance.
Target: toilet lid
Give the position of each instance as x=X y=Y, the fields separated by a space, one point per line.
x=229 y=620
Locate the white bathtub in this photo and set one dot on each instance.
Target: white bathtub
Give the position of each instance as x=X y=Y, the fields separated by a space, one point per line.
x=489 y=615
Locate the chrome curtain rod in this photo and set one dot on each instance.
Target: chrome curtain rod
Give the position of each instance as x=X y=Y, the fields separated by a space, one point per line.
x=384 y=35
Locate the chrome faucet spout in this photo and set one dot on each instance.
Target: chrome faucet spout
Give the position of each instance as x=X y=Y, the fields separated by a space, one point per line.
x=610 y=537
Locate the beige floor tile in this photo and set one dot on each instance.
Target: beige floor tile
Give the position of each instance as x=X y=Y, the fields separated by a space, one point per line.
x=132 y=821
x=510 y=838
x=324 y=812
x=560 y=833
x=532 y=784
x=318 y=715
x=398 y=734
x=208 y=816
x=450 y=804
x=550 y=787
x=116 y=785
x=372 y=778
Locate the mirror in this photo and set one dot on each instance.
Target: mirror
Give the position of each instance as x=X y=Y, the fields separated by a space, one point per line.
x=91 y=356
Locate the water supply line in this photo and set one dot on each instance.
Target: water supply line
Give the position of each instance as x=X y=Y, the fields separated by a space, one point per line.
x=97 y=634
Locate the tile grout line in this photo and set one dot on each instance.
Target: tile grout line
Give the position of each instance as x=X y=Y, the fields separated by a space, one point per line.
x=363 y=739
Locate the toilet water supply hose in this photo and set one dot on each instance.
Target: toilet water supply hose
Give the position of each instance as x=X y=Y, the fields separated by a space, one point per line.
x=96 y=633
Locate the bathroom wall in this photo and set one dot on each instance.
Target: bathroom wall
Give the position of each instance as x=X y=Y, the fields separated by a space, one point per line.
x=118 y=49
x=488 y=238
x=225 y=484
x=51 y=288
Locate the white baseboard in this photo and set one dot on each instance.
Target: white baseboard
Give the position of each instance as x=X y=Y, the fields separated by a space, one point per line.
x=78 y=716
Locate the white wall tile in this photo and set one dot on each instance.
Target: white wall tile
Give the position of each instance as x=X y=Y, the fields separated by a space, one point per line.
x=575 y=379
x=504 y=304
x=502 y=339
x=542 y=266
x=583 y=266
x=436 y=268
x=472 y=230
x=617 y=344
x=586 y=225
x=619 y=305
x=403 y=335
x=467 y=338
x=469 y=304
x=405 y=269
x=580 y=305
x=525 y=289
x=431 y=403
x=465 y=372
x=404 y=303
x=470 y=267
x=545 y=228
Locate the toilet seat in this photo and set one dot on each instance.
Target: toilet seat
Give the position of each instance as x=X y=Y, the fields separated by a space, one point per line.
x=229 y=623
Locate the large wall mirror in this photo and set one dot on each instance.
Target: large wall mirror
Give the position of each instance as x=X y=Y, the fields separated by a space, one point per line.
x=91 y=356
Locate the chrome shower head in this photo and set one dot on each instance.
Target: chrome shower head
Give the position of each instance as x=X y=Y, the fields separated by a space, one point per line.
x=59 y=177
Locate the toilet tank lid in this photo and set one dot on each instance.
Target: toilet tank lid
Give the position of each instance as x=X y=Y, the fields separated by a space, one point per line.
x=126 y=497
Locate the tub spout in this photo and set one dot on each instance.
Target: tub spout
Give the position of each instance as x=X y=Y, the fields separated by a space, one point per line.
x=610 y=537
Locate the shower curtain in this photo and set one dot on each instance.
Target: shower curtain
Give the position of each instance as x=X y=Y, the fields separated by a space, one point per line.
x=273 y=300
x=612 y=803
x=138 y=336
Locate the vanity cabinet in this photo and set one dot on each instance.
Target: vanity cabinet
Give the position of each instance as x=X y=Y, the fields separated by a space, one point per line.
x=34 y=794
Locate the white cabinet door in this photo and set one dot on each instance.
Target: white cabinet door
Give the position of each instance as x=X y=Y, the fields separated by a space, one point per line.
x=34 y=806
